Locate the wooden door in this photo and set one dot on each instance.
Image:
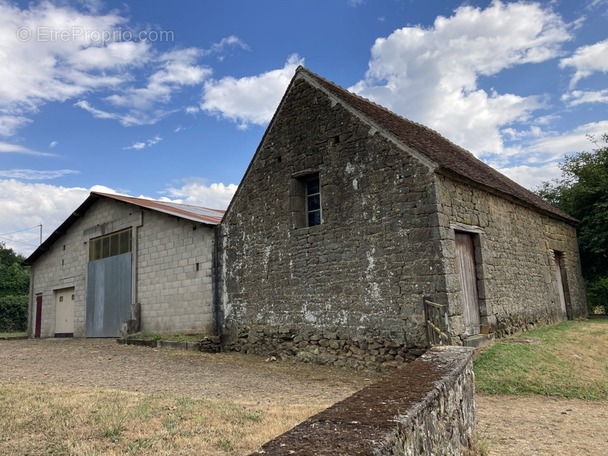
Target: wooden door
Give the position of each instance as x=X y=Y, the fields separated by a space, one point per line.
x=465 y=256
x=64 y=312
x=38 y=325
x=560 y=282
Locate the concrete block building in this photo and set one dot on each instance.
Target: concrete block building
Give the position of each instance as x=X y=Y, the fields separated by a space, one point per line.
x=351 y=224
x=118 y=259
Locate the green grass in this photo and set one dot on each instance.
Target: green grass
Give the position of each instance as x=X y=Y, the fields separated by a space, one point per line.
x=567 y=360
x=13 y=335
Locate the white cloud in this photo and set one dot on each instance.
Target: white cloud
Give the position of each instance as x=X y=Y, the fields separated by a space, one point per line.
x=578 y=97
x=570 y=142
x=53 y=144
x=26 y=205
x=126 y=120
x=225 y=43
x=32 y=174
x=42 y=66
x=143 y=144
x=197 y=193
x=587 y=60
x=251 y=99
x=144 y=105
x=431 y=74
x=55 y=52
x=8 y=148
x=9 y=124
x=532 y=177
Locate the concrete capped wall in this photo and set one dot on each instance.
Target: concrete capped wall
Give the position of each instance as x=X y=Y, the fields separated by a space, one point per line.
x=174 y=296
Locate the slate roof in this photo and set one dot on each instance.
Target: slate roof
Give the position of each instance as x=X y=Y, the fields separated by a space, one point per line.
x=184 y=211
x=451 y=159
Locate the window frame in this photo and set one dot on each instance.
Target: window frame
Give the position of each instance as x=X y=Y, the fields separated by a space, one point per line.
x=111 y=244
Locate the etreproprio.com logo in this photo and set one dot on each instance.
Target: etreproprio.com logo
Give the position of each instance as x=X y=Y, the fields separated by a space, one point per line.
x=46 y=34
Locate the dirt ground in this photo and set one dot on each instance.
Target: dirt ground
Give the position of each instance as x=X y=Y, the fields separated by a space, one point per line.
x=516 y=425
x=506 y=425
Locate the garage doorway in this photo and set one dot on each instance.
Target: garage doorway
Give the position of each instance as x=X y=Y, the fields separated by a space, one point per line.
x=109 y=281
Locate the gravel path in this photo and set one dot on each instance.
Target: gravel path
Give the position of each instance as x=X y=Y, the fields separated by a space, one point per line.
x=104 y=363
x=507 y=425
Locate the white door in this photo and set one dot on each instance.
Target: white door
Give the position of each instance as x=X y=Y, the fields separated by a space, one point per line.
x=64 y=312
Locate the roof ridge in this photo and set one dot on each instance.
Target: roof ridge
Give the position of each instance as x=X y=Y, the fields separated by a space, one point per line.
x=113 y=195
x=385 y=109
x=440 y=150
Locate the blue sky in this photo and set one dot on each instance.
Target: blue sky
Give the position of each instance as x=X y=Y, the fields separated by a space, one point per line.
x=170 y=99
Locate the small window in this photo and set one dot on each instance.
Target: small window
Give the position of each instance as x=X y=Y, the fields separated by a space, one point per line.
x=313 y=200
x=305 y=199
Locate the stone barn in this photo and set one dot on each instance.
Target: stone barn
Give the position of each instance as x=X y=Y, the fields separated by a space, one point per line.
x=118 y=258
x=354 y=226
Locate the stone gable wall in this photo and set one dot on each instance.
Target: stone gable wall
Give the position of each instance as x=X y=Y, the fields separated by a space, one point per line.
x=331 y=291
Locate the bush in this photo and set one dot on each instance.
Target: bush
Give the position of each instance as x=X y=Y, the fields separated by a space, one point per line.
x=13 y=313
x=597 y=294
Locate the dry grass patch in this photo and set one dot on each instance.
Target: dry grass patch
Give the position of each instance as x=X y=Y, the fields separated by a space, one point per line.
x=566 y=360
x=40 y=419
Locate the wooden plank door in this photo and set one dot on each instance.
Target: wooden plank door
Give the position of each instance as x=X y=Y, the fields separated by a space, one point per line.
x=560 y=283
x=465 y=256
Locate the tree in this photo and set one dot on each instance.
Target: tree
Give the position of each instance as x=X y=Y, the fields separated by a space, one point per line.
x=14 y=290
x=582 y=191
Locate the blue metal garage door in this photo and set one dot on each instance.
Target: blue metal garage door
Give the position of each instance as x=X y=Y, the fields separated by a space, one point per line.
x=108 y=295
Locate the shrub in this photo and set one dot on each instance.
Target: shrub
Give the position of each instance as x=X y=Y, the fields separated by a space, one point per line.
x=597 y=294
x=13 y=313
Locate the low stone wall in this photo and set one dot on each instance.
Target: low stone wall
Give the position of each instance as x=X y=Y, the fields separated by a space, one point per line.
x=425 y=407
x=333 y=347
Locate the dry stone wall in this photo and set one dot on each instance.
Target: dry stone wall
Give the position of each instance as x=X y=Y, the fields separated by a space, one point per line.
x=427 y=407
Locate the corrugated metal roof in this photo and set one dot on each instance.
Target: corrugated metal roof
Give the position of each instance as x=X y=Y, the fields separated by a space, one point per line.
x=184 y=211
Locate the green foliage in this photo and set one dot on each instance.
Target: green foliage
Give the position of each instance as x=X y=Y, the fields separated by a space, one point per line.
x=597 y=293
x=13 y=313
x=14 y=290
x=582 y=192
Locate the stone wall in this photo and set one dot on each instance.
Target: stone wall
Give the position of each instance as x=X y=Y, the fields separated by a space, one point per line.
x=350 y=290
x=428 y=407
x=515 y=249
x=174 y=295
x=337 y=347
x=362 y=272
